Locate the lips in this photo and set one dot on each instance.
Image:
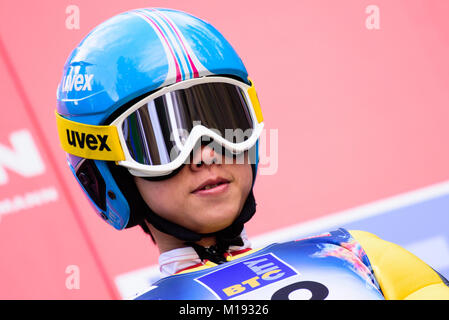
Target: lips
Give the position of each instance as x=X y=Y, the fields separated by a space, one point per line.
x=211 y=186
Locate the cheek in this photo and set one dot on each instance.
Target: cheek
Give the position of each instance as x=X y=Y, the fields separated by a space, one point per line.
x=159 y=195
x=244 y=173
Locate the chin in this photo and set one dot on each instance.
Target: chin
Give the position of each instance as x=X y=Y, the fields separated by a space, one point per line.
x=215 y=223
x=213 y=227
x=213 y=217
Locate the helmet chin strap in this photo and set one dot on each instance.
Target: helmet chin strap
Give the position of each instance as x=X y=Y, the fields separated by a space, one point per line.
x=224 y=239
x=215 y=253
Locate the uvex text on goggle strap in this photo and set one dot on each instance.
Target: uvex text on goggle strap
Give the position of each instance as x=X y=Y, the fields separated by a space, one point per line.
x=157 y=134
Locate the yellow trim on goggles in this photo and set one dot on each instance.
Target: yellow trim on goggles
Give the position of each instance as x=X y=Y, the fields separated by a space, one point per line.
x=255 y=102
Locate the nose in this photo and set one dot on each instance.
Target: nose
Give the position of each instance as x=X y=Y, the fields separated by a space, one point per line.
x=204 y=155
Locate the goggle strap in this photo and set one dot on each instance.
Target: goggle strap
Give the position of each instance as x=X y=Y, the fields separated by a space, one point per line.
x=89 y=141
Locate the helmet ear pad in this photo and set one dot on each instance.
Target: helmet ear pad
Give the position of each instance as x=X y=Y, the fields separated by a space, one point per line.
x=140 y=211
x=103 y=192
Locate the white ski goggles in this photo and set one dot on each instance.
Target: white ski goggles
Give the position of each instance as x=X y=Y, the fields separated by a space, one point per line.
x=156 y=135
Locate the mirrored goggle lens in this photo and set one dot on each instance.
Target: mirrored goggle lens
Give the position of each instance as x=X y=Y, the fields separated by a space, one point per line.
x=156 y=132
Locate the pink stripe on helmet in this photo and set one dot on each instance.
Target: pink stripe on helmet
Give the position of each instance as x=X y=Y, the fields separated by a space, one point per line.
x=178 y=71
x=192 y=64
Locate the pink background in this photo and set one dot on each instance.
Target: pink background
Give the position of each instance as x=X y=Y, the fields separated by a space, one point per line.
x=361 y=115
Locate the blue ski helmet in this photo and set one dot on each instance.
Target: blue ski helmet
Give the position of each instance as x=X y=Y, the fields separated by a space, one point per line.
x=122 y=60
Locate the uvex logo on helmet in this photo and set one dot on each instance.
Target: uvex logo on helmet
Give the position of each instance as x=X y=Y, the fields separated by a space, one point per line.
x=77 y=82
x=89 y=140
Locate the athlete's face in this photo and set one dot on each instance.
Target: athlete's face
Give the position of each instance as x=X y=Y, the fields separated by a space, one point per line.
x=203 y=196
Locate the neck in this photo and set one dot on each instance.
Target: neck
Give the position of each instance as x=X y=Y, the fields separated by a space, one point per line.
x=166 y=242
